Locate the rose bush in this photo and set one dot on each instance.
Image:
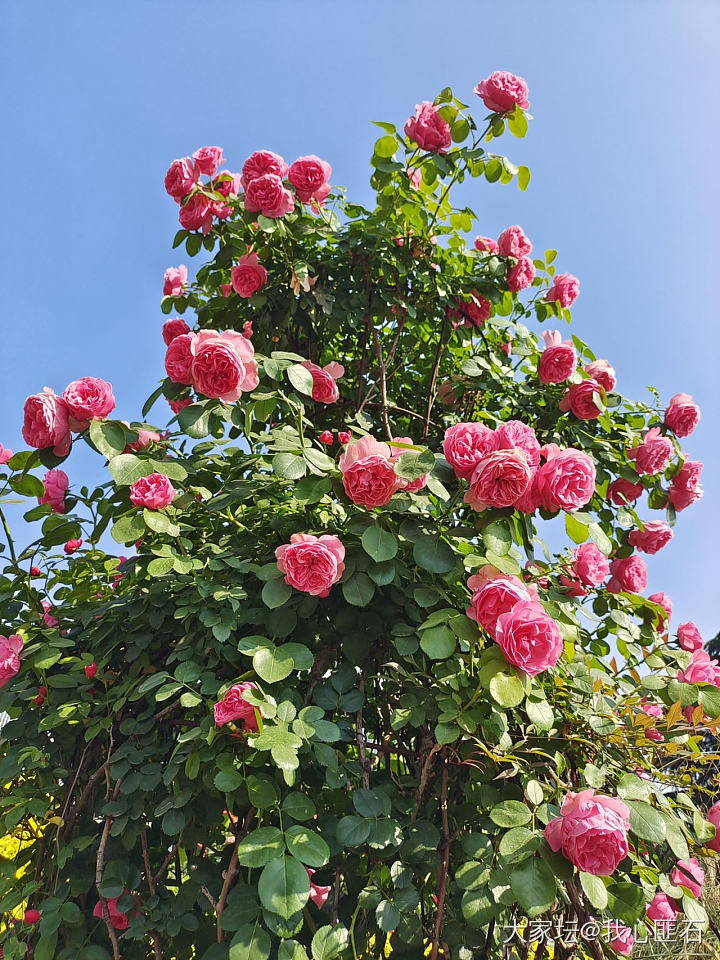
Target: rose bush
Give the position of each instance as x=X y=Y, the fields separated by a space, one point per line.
x=272 y=696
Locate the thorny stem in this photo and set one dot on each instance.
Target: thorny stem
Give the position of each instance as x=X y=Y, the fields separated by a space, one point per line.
x=241 y=828
x=433 y=379
x=443 y=867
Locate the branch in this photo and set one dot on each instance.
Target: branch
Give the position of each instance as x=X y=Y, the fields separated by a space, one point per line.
x=443 y=867
x=424 y=775
x=360 y=735
x=166 y=862
x=99 y=869
x=433 y=379
x=157 y=947
x=383 y=384
x=241 y=829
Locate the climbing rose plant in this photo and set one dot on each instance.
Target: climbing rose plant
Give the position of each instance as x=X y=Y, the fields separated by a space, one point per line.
x=338 y=697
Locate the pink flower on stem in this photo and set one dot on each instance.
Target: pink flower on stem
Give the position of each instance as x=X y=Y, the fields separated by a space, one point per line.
x=685 y=486
x=689 y=637
x=428 y=129
x=175 y=281
x=174 y=327
x=56 y=485
x=690 y=875
x=664 y=601
x=603 y=373
x=499 y=480
x=311 y=564
x=72 y=546
x=47 y=423
x=521 y=275
x=10 y=648
x=486 y=245
x=653 y=453
x=181 y=178
x=234 y=707
x=501 y=92
x=267 y=195
x=88 y=399
x=248 y=275
x=512 y=242
x=368 y=475
x=310 y=175
x=590 y=565
x=208 y=160
x=154 y=492
x=621 y=491
x=260 y=163
x=584 y=399
x=591 y=832
x=682 y=415
x=223 y=364
x=565 y=289
x=196 y=213
x=529 y=638
x=558 y=361
x=318 y=893
x=493 y=597
x=655 y=535
x=5 y=454
x=701 y=669
x=325 y=388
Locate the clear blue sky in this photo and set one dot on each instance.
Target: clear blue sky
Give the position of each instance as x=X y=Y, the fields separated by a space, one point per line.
x=100 y=97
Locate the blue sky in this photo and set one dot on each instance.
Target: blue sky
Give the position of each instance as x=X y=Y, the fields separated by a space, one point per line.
x=100 y=97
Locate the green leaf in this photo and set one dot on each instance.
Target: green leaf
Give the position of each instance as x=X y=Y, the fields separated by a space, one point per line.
x=379 y=544
x=329 y=942
x=533 y=886
x=438 y=642
x=576 y=529
x=228 y=780
x=413 y=465
x=595 y=889
x=387 y=916
x=128 y=528
x=261 y=846
x=434 y=555
x=517 y=122
x=386 y=146
x=108 y=436
x=506 y=689
x=194 y=420
x=518 y=843
x=497 y=539
x=626 y=902
x=540 y=713
x=523 y=177
x=173 y=822
x=301 y=378
x=298 y=806
x=289 y=466
x=600 y=538
x=126 y=468
x=358 y=590
x=351 y=831
x=306 y=846
x=160 y=566
x=510 y=813
x=272 y=663
x=291 y=950
x=646 y=821
x=284 y=886
x=250 y=942
x=160 y=522
x=27 y=485
x=275 y=593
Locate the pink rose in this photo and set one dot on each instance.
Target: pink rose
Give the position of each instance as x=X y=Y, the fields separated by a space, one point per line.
x=491 y=598
x=180 y=178
x=652 y=455
x=652 y=710
x=685 y=486
x=179 y=358
x=46 y=422
x=154 y=492
x=590 y=565
x=465 y=444
x=368 y=475
x=89 y=399
x=581 y=399
x=428 y=129
x=622 y=490
x=248 y=275
x=260 y=163
x=714 y=818
x=247 y=330
x=224 y=365
x=175 y=281
x=486 y=245
x=196 y=213
x=628 y=574
x=521 y=275
x=622 y=940
x=664 y=601
x=529 y=638
x=689 y=637
x=603 y=373
x=208 y=160
x=591 y=832
x=72 y=546
x=325 y=389
x=5 y=455
x=499 y=479
x=311 y=564
x=566 y=481
x=412 y=486
x=682 y=415
x=145 y=438
x=701 y=669
x=118 y=920
x=514 y=434
x=318 y=894
x=267 y=195
x=56 y=485
x=310 y=175
x=662 y=910
x=326 y=437
x=48 y=619
x=177 y=405
x=512 y=242
x=503 y=91
x=234 y=707
x=558 y=361
x=475 y=311
x=565 y=289
x=655 y=535
x=690 y=875
x=414 y=176
x=10 y=648
x=172 y=328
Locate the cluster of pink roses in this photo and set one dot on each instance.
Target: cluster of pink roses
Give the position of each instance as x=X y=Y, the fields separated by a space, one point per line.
x=328 y=439
x=558 y=363
x=218 y=365
x=199 y=202
x=311 y=564
x=504 y=468
x=471 y=312
x=49 y=420
x=512 y=614
x=368 y=473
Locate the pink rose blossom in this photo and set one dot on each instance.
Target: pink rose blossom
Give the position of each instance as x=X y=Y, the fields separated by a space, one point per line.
x=180 y=178
x=565 y=289
x=591 y=832
x=428 y=129
x=655 y=535
x=590 y=566
x=685 y=486
x=309 y=175
x=629 y=574
x=566 y=481
x=491 y=598
x=652 y=710
x=177 y=405
x=662 y=911
x=603 y=373
x=179 y=358
x=368 y=475
x=145 y=438
x=5 y=455
x=622 y=490
x=46 y=422
x=326 y=437
x=475 y=311
x=267 y=195
x=56 y=485
x=512 y=242
x=260 y=163
x=234 y=707
x=514 y=434
x=196 y=213
x=689 y=637
x=690 y=875
x=580 y=399
x=10 y=648
x=652 y=455
x=318 y=894
x=311 y=564
x=226 y=289
x=503 y=91
x=175 y=281
x=208 y=160
x=701 y=669
x=713 y=816
x=48 y=619
x=414 y=176
x=521 y=275
x=89 y=399
x=664 y=601
x=622 y=940
x=248 y=275
x=486 y=245
x=682 y=415
x=558 y=361
x=529 y=638
x=172 y=328
x=325 y=389
x=72 y=546
x=499 y=479
x=344 y=437
x=247 y=330
x=223 y=365
x=412 y=486
x=118 y=920
x=154 y=492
